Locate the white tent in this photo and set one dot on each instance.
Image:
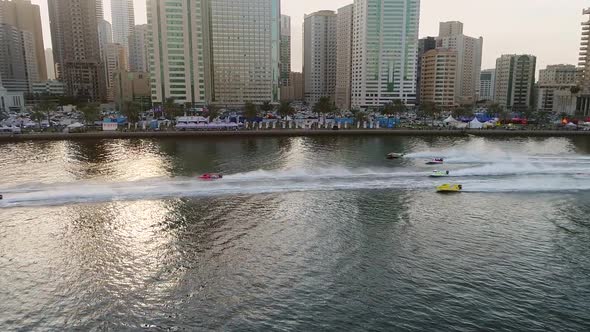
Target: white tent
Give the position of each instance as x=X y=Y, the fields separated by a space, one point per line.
x=75 y=125
x=450 y=120
x=475 y=124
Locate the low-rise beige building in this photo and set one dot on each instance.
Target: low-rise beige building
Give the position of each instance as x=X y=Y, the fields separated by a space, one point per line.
x=294 y=91
x=131 y=86
x=439 y=70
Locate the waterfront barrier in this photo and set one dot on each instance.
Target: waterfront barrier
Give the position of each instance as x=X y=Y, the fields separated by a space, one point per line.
x=287 y=133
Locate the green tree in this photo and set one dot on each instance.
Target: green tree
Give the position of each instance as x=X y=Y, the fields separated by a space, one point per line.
x=396 y=107
x=360 y=116
x=90 y=112
x=250 y=111
x=528 y=113
x=324 y=106
x=131 y=110
x=575 y=90
x=266 y=107
x=46 y=107
x=285 y=109
x=212 y=112
x=172 y=109
x=463 y=111
x=543 y=117
x=494 y=110
x=37 y=116
x=504 y=115
x=429 y=109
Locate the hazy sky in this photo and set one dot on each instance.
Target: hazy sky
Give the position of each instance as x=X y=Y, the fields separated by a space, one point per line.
x=549 y=29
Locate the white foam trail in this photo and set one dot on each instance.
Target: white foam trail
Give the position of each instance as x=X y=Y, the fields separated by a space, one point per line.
x=503 y=169
x=261 y=182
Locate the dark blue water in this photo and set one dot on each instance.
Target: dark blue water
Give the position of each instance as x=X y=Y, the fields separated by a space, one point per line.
x=302 y=234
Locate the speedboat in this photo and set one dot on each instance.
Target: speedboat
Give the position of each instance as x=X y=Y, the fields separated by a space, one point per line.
x=449 y=188
x=211 y=176
x=439 y=174
x=395 y=155
x=435 y=161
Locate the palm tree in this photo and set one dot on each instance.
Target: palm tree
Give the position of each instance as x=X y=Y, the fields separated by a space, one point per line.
x=463 y=111
x=324 y=106
x=266 y=107
x=46 y=107
x=494 y=110
x=398 y=106
x=285 y=109
x=360 y=116
x=37 y=116
x=90 y=112
x=575 y=90
x=250 y=111
x=429 y=109
x=213 y=112
x=131 y=110
x=171 y=108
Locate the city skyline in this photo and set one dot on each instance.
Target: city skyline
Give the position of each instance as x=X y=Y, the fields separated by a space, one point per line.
x=563 y=29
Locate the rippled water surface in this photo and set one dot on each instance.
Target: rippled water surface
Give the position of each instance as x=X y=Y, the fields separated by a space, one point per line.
x=302 y=234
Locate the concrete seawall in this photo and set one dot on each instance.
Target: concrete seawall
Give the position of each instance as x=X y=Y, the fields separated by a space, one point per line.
x=290 y=133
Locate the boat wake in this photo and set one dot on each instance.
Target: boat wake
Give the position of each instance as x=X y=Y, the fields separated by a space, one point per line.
x=524 y=175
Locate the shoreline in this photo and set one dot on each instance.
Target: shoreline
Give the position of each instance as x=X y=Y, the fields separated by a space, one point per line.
x=288 y=133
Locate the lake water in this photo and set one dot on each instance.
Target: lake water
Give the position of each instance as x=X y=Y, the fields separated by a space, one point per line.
x=302 y=234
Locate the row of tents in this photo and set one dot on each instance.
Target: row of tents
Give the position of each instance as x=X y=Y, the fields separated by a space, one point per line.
x=473 y=124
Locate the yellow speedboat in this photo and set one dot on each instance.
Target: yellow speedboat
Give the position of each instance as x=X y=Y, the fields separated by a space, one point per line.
x=449 y=188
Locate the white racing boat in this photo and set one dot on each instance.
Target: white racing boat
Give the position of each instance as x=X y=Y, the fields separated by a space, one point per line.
x=394 y=155
x=439 y=174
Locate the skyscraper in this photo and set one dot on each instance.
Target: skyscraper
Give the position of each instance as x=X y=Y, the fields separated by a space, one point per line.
x=469 y=55
x=105 y=36
x=555 y=79
x=179 y=44
x=138 y=49
x=25 y=16
x=99 y=10
x=319 y=56
x=116 y=60
x=515 y=80
x=487 y=84
x=439 y=68
x=245 y=50
x=50 y=64
x=18 y=66
x=344 y=24
x=424 y=45
x=384 y=53
x=224 y=51
x=76 y=49
x=583 y=103
x=285 y=49
x=123 y=20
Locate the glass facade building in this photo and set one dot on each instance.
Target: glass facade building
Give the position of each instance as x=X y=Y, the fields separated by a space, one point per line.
x=245 y=51
x=224 y=51
x=177 y=31
x=385 y=49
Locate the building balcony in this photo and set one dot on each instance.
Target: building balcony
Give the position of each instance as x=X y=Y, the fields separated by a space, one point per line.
x=585 y=33
x=586 y=11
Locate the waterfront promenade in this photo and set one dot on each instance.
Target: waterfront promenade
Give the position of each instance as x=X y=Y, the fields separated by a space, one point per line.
x=288 y=133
